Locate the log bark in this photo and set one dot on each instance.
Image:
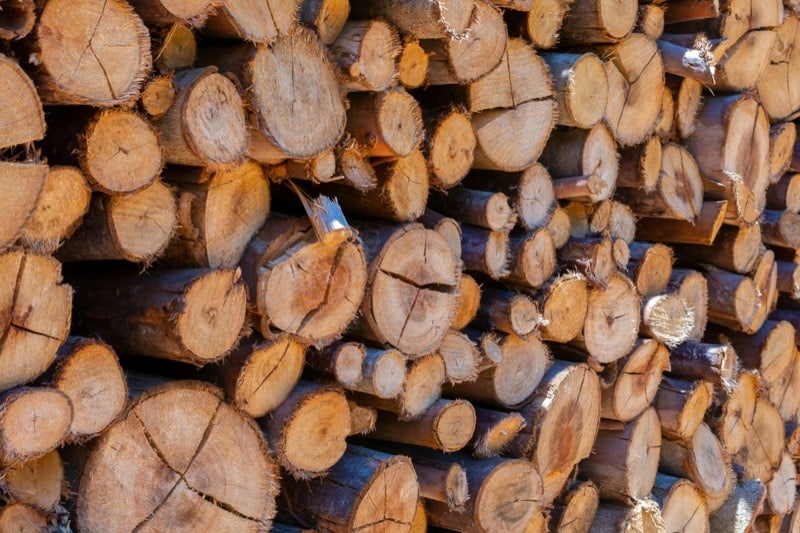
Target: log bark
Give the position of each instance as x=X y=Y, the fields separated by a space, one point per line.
x=770 y=350
x=581 y=88
x=257 y=22
x=23 y=117
x=258 y=374
x=443 y=484
x=449 y=147
x=599 y=21
x=709 y=362
x=38 y=482
x=485 y=251
x=509 y=312
x=176 y=435
x=36 y=310
x=366 y=52
x=387 y=124
x=732 y=299
x=780 y=228
x=683 y=507
x=447 y=425
x=302 y=284
x=784 y=194
x=162 y=12
x=120 y=60
x=193 y=316
x=702 y=231
x=21 y=438
x=308 y=430
x=426 y=20
x=494 y=431
x=681 y=406
x=635 y=382
x=740 y=510
x=735 y=249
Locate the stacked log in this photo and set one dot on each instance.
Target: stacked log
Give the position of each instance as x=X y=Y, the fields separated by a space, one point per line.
x=377 y=264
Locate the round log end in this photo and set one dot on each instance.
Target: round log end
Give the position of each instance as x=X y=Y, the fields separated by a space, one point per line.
x=509 y=497
x=412 y=66
x=451 y=149
x=33 y=421
x=141 y=238
x=587 y=91
x=455 y=425
x=564 y=308
x=612 y=319
x=22 y=114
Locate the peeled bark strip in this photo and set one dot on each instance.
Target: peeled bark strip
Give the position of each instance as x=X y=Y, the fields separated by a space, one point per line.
x=194 y=316
x=782 y=137
x=259 y=375
x=218 y=213
x=702 y=460
x=770 y=350
x=509 y=312
x=175 y=48
x=387 y=124
x=177 y=435
x=735 y=249
x=599 y=21
x=135 y=227
x=650 y=267
x=683 y=507
x=635 y=79
x=636 y=382
x=21 y=187
x=449 y=146
x=37 y=482
x=494 y=430
x=777 y=86
x=624 y=462
x=643 y=517
x=366 y=51
x=575 y=509
x=739 y=512
x=21 y=438
x=301 y=284
x=485 y=251
x=120 y=152
x=308 y=430
x=119 y=62
x=761 y=452
x=462 y=358
x=411 y=287
x=412 y=66
x=447 y=425
x=709 y=362
x=780 y=228
x=327 y=17
x=702 y=230
x=510 y=381
x=581 y=88
x=564 y=303
x=36 y=309
x=22 y=115
x=206 y=124
x=427 y=20
x=681 y=406
x=612 y=319
x=532 y=259
x=62 y=203
x=257 y=22
x=583 y=163
x=567 y=402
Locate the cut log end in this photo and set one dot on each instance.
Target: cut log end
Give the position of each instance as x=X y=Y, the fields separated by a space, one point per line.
x=21 y=438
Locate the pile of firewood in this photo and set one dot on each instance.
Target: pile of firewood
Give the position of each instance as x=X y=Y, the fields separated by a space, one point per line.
x=374 y=265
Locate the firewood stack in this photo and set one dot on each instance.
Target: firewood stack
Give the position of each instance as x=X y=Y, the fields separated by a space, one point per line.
x=507 y=265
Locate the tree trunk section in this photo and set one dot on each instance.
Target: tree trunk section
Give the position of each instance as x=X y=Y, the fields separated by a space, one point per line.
x=683 y=507
x=22 y=115
x=494 y=431
x=650 y=267
x=705 y=361
x=366 y=52
x=681 y=406
x=327 y=17
x=636 y=382
x=581 y=88
x=387 y=124
x=38 y=482
x=599 y=21
x=447 y=425
x=449 y=147
x=21 y=438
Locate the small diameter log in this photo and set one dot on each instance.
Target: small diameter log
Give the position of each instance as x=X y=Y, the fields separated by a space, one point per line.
x=567 y=402
x=447 y=425
x=401 y=191
x=257 y=22
x=612 y=319
x=415 y=266
x=365 y=489
x=563 y=302
x=635 y=81
x=340 y=361
x=780 y=74
x=636 y=382
x=735 y=249
x=643 y=517
x=702 y=460
x=286 y=254
x=469 y=300
x=62 y=203
x=770 y=350
x=353 y=166
x=18 y=516
x=532 y=259
x=581 y=88
x=709 y=362
x=687 y=106
x=449 y=147
x=319 y=169
x=259 y=375
x=615 y=220
x=494 y=431
x=667 y=318
x=177 y=434
x=624 y=462
x=692 y=286
x=485 y=251
x=206 y=124
x=599 y=21
x=23 y=117
x=135 y=227
x=365 y=51
x=508 y=311
x=37 y=482
x=474 y=54
x=412 y=65
x=683 y=507
x=575 y=509
x=681 y=406
x=511 y=380
x=158 y=95
x=780 y=228
x=36 y=310
x=193 y=316
x=740 y=511
x=308 y=430
x=120 y=60
x=388 y=124
x=785 y=193
x=21 y=186
x=22 y=439
x=382 y=374
x=426 y=20
x=327 y=17
x=650 y=267
x=219 y=211
x=781 y=489
x=542 y=24
x=732 y=299
x=665 y=125
x=89 y=373
x=558 y=226
x=424 y=378
x=702 y=231
x=175 y=48
x=583 y=163
x=591 y=256
x=762 y=449
x=443 y=484
x=782 y=137
x=284 y=128
x=479 y=208
x=362 y=419
x=462 y=358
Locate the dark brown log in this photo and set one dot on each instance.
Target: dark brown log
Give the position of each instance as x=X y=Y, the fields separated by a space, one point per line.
x=258 y=22
x=709 y=362
x=447 y=425
x=643 y=517
x=21 y=438
x=780 y=228
x=508 y=311
x=634 y=381
x=38 y=482
x=770 y=350
x=785 y=193
x=494 y=430
x=681 y=406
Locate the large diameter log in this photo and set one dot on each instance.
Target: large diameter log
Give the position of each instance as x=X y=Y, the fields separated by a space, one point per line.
x=599 y=21
x=411 y=287
x=257 y=22
x=776 y=86
x=564 y=304
x=635 y=80
x=365 y=489
x=636 y=382
x=300 y=284
x=612 y=319
x=681 y=406
x=135 y=227
x=366 y=51
x=308 y=430
x=89 y=373
x=738 y=514
x=119 y=61
x=205 y=126
x=581 y=88
x=447 y=425
x=566 y=403
x=426 y=20
x=258 y=376
x=37 y=482
x=327 y=17
x=21 y=437
x=643 y=517
x=36 y=309
x=23 y=118
x=683 y=507
x=20 y=191
x=575 y=510
x=194 y=316
x=388 y=124
x=624 y=462
x=177 y=435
